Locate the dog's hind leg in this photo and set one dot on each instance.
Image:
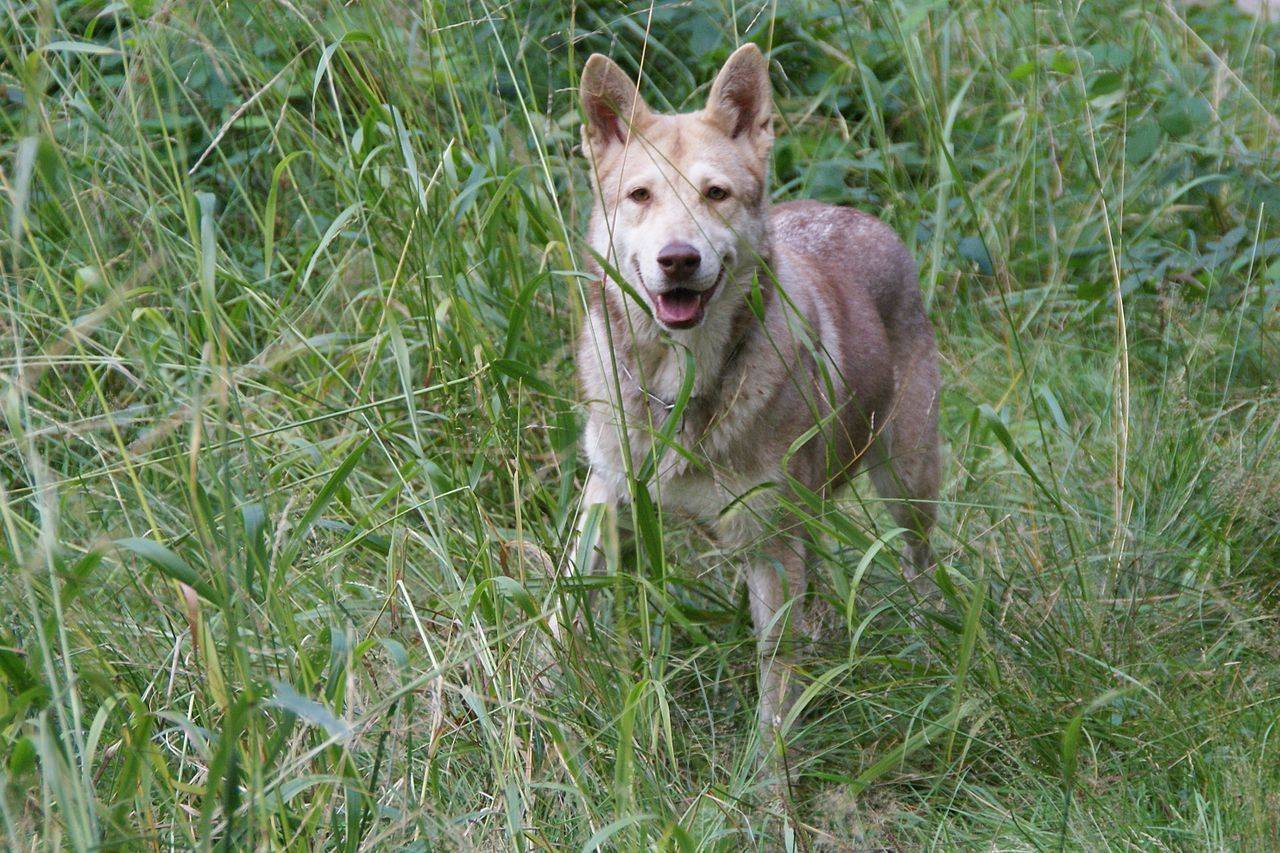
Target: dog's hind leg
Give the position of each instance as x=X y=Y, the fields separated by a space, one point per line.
x=905 y=464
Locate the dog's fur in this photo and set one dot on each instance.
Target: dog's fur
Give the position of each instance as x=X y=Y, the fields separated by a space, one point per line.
x=814 y=318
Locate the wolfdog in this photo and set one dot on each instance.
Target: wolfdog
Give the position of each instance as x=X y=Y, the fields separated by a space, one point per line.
x=788 y=342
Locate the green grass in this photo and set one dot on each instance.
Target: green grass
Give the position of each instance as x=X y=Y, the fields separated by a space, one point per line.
x=289 y=296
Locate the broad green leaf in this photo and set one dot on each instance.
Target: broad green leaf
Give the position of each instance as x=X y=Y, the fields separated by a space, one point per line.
x=170 y=564
x=322 y=499
x=81 y=47
x=523 y=372
x=348 y=213
x=928 y=734
x=288 y=699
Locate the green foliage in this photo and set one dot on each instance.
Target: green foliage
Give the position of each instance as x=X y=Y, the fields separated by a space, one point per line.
x=288 y=470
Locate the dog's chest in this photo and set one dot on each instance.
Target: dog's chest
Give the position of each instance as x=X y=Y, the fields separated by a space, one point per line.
x=713 y=467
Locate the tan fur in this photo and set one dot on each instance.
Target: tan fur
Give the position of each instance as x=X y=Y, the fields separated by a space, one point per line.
x=841 y=340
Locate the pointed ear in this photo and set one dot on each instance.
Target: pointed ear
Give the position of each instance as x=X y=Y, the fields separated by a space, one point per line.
x=741 y=99
x=610 y=102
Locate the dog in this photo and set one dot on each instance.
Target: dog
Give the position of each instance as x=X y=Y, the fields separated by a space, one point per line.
x=759 y=352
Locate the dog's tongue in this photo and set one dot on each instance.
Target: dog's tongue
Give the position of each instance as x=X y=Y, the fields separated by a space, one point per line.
x=679 y=307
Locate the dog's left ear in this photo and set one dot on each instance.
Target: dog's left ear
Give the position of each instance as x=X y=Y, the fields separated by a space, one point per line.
x=741 y=97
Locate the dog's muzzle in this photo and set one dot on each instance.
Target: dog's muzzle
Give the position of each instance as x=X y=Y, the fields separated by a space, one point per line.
x=682 y=307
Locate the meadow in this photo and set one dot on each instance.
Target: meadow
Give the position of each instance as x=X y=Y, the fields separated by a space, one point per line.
x=289 y=466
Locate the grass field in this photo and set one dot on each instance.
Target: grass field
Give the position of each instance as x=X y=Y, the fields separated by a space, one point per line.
x=289 y=445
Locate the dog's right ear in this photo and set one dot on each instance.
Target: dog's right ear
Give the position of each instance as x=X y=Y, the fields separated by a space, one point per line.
x=611 y=103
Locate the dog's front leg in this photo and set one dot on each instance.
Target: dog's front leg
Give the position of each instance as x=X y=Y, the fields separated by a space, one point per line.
x=775 y=578
x=598 y=500
x=586 y=554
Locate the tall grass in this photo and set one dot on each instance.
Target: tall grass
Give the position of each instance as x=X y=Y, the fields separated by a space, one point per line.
x=289 y=466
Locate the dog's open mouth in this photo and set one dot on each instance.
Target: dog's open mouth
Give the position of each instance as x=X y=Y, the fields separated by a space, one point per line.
x=682 y=307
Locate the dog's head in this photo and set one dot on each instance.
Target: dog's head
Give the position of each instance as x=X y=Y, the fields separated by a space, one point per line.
x=681 y=200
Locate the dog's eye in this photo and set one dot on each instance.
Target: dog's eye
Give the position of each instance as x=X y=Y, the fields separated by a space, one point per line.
x=717 y=193
x=639 y=195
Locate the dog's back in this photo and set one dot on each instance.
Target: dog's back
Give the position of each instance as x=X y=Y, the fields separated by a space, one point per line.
x=857 y=250
x=860 y=294
x=854 y=284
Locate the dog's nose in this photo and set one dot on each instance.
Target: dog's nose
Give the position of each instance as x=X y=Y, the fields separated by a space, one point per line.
x=679 y=261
